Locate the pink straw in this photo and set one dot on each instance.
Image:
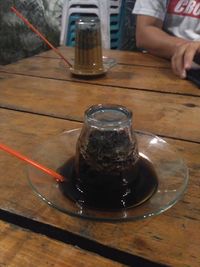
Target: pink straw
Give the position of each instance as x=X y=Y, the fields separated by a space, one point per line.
x=39 y=34
x=57 y=176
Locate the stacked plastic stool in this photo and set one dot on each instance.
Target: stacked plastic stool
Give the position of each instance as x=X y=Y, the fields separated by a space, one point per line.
x=116 y=16
x=74 y=9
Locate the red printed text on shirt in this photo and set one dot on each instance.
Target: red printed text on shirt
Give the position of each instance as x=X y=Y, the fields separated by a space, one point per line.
x=185 y=8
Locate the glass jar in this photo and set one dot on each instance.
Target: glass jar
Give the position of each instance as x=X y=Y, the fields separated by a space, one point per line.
x=106 y=156
x=88 y=46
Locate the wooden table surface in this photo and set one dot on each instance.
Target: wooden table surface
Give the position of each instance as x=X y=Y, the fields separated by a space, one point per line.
x=39 y=98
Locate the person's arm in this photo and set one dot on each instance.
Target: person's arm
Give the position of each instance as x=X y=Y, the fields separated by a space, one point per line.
x=151 y=37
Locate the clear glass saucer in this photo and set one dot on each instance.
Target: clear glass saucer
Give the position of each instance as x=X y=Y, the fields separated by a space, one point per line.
x=108 y=63
x=172 y=174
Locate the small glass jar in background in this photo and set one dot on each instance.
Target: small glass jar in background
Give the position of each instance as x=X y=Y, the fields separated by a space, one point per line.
x=88 y=46
x=106 y=155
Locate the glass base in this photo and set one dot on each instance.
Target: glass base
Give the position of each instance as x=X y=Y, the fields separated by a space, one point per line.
x=108 y=63
x=87 y=73
x=107 y=195
x=171 y=179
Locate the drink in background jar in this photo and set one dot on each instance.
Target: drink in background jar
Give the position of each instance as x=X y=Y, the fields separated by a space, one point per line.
x=88 y=47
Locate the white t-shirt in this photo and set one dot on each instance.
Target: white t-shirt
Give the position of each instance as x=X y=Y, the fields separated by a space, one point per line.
x=180 y=18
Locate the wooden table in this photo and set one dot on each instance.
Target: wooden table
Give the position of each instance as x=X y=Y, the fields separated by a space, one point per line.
x=39 y=98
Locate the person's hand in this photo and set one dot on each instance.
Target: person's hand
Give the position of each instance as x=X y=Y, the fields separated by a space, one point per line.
x=183 y=57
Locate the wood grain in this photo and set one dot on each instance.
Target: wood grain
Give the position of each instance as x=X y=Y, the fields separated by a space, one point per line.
x=169 y=115
x=122 y=57
x=24 y=248
x=172 y=238
x=141 y=77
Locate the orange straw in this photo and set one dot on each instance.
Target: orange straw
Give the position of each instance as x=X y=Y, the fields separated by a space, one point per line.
x=57 y=176
x=39 y=34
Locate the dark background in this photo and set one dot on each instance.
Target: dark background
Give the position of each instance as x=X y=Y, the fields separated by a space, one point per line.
x=18 y=41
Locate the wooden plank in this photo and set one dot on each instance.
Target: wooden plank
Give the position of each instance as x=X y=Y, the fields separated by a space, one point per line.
x=126 y=76
x=122 y=57
x=172 y=238
x=170 y=115
x=24 y=248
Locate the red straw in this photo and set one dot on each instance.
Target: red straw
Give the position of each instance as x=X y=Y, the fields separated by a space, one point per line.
x=57 y=176
x=39 y=34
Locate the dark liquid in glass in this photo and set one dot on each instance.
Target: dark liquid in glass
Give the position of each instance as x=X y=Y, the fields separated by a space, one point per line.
x=109 y=190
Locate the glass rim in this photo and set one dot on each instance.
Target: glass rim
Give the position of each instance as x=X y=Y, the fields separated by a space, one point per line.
x=125 y=121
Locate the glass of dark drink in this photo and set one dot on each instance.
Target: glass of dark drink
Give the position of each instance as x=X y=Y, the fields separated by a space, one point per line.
x=106 y=161
x=105 y=177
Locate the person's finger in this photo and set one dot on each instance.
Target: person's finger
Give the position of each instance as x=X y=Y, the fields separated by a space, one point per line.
x=189 y=54
x=178 y=61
